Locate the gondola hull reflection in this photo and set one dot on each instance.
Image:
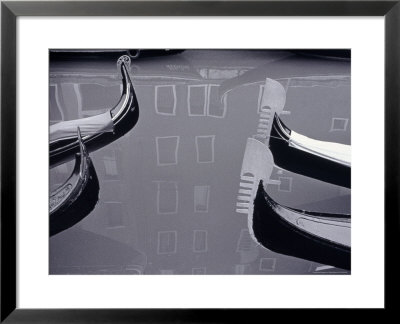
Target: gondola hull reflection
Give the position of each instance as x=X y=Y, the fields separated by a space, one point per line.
x=284 y=230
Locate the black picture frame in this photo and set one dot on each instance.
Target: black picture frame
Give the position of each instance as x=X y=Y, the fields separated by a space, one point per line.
x=10 y=10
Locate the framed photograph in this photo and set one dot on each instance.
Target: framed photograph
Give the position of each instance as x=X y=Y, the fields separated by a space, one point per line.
x=196 y=160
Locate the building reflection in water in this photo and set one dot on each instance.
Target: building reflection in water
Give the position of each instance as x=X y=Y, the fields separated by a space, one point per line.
x=168 y=188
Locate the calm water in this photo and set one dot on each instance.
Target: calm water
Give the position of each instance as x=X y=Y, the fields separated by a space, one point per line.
x=168 y=188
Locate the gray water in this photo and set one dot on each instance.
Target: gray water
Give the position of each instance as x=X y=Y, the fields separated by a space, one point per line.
x=168 y=188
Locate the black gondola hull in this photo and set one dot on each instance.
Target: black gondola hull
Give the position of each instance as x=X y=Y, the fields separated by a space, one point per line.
x=95 y=142
x=307 y=164
x=279 y=236
x=70 y=214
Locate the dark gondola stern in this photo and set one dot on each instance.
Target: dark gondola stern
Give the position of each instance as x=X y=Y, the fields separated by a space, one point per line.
x=80 y=207
x=277 y=235
x=263 y=233
x=78 y=195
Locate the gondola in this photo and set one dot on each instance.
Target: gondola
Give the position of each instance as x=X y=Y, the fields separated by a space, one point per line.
x=325 y=161
x=97 y=131
x=77 y=196
x=318 y=237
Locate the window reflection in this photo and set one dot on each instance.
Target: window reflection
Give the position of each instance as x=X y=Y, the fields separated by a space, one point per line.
x=115 y=214
x=201 y=198
x=267 y=264
x=215 y=106
x=205 y=148
x=339 y=124
x=197 y=100
x=165 y=100
x=167 y=197
x=199 y=241
x=167 y=242
x=167 y=150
